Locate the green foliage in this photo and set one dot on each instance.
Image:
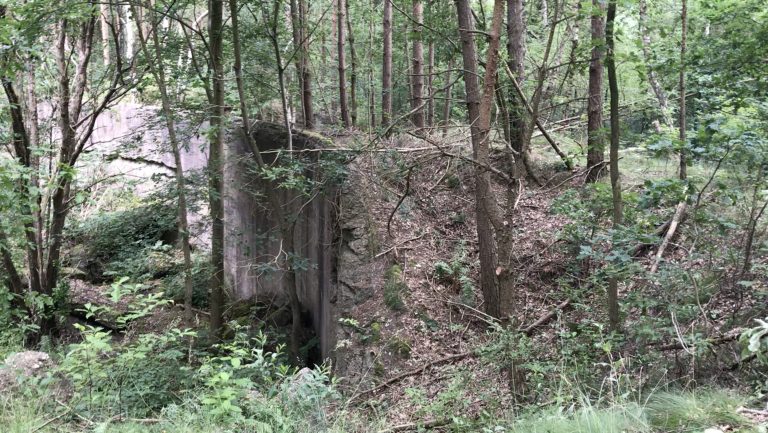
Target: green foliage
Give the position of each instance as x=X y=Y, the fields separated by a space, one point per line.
x=394 y=288
x=138 y=378
x=455 y=274
x=755 y=340
x=400 y=346
x=174 y=283
x=134 y=242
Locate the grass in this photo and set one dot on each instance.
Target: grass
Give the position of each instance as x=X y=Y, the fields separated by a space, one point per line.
x=695 y=410
x=616 y=419
x=663 y=412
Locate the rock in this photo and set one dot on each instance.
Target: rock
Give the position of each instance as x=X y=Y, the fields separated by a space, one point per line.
x=297 y=381
x=23 y=364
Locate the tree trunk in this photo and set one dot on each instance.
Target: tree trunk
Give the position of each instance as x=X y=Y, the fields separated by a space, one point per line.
x=155 y=65
x=296 y=32
x=683 y=144
x=371 y=81
x=386 y=70
x=216 y=167
x=105 y=36
x=306 y=74
x=610 y=63
x=345 y=118
x=479 y=120
x=447 y=102
x=430 y=85
x=595 y=134
x=517 y=112
x=417 y=70
x=353 y=65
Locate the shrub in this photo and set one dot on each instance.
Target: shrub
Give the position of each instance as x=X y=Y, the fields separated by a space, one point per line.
x=133 y=242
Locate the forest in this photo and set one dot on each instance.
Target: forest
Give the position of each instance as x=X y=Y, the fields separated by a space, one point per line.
x=290 y=216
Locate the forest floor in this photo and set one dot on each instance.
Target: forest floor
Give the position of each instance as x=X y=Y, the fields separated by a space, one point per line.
x=428 y=352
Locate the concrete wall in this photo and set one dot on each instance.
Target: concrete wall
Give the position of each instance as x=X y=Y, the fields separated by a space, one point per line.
x=253 y=241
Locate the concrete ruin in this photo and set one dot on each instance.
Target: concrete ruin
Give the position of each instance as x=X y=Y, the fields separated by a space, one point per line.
x=253 y=241
x=331 y=224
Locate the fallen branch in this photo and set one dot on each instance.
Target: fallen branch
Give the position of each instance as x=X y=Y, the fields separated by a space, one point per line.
x=679 y=212
x=521 y=95
x=417 y=425
x=710 y=342
x=388 y=383
x=528 y=330
x=398 y=245
x=750 y=411
x=45 y=424
x=402 y=198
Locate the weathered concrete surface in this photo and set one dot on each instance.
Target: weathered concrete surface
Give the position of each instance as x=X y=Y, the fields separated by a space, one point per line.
x=332 y=235
x=252 y=243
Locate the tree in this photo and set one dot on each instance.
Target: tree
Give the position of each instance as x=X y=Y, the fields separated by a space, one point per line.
x=284 y=226
x=516 y=49
x=386 y=68
x=595 y=147
x=345 y=117
x=353 y=67
x=479 y=109
x=78 y=109
x=155 y=65
x=301 y=47
x=618 y=215
x=216 y=165
x=417 y=70
x=681 y=122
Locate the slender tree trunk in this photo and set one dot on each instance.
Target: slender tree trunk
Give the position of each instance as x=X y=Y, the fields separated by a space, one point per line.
x=155 y=64
x=297 y=34
x=306 y=74
x=516 y=49
x=417 y=70
x=216 y=167
x=284 y=226
x=447 y=102
x=755 y=215
x=353 y=66
x=105 y=36
x=683 y=144
x=32 y=122
x=595 y=134
x=430 y=84
x=613 y=85
x=371 y=82
x=386 y=69
x=479 y=120
x=345 y=117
